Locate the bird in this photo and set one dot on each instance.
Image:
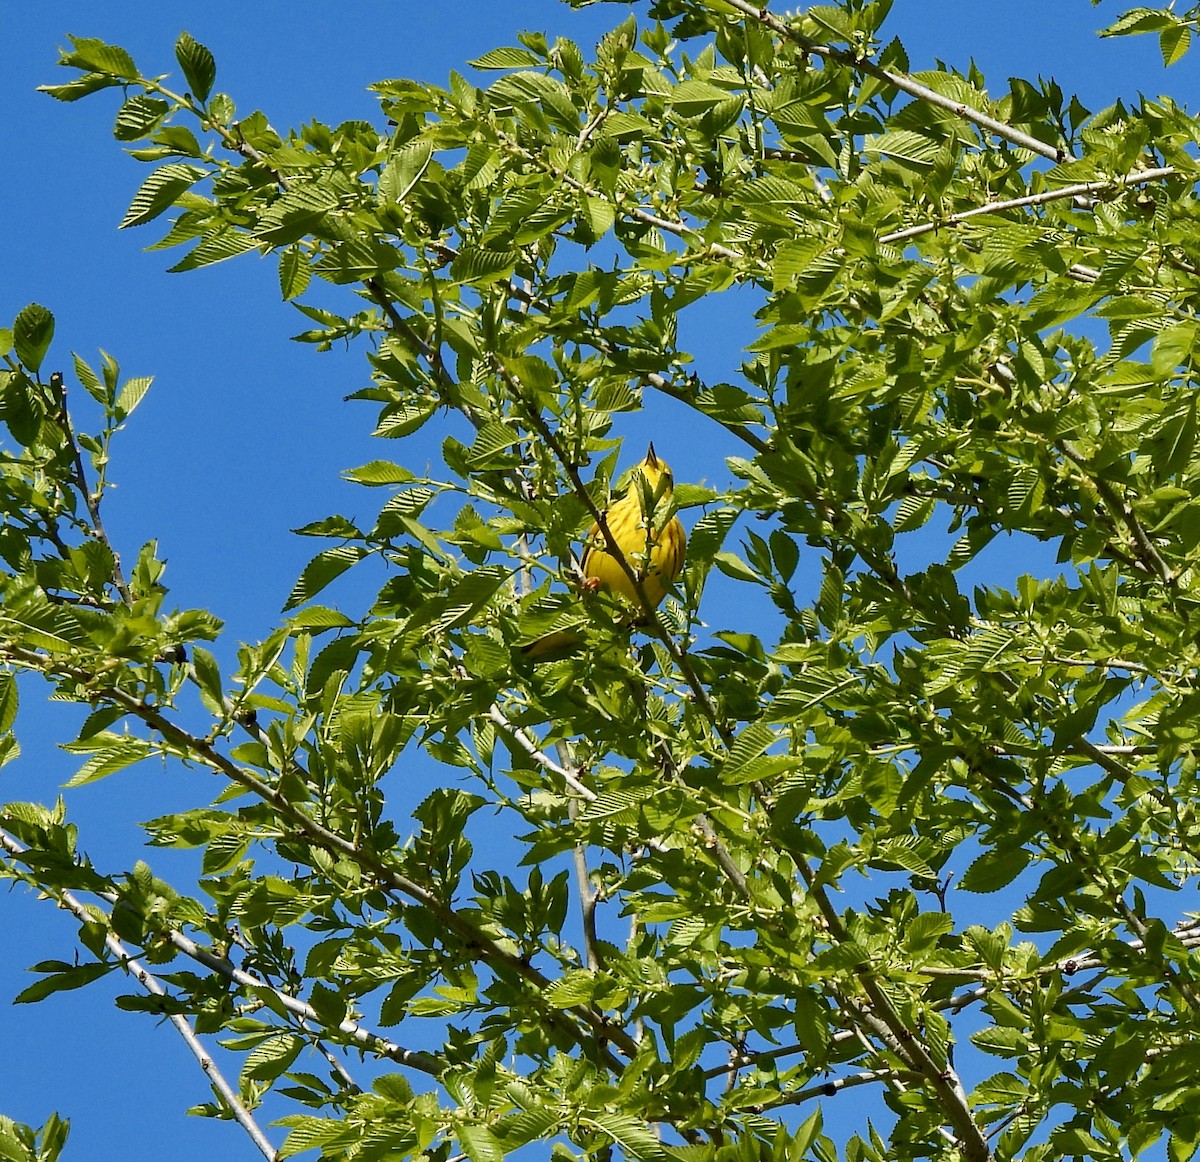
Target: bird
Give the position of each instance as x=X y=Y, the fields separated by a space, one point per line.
x=652 y=541
x=647 y=532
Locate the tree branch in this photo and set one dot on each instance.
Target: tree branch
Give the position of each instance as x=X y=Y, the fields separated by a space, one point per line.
x=904 y=83
x=90 y=499
x=68 y=900
x=1080 y=189
x=901 y=1040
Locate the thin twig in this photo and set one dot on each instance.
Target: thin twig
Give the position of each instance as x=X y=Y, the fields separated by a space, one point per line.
x=835 y=1085
x=588 y=894
x=904 y=83
x=155 y=987
x=1139 y=177
x=1122 y=513
x=887 y=1024
x=424 y=1062
x=90 y=499
x=531 y=748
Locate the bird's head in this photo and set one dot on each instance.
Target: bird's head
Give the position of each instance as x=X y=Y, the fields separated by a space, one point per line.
x=657 y=475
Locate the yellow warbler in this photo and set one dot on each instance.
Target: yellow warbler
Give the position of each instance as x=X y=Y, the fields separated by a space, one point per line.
x=651 y=540
x=647 y=532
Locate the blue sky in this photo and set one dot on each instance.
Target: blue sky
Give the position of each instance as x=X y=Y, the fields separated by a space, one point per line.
x=244 y=433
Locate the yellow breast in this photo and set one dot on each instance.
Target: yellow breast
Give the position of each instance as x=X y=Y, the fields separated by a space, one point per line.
x=652 y=542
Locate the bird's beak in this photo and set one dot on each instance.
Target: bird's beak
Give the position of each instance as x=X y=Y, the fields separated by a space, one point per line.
x=651 y=458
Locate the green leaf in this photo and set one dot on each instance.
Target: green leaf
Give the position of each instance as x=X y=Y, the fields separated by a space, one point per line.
x=8 y=701
x=481 y=267
x=33 y=330
x=199 y=67
x=330 y=1005
x=62 y=978
x=506 y=58
x=267 y=1060
x=133 y=391
x=1172 y=347
x=1137 y=20
x=749 y=744
x=631 y=1134
x=294 y=272
x=1174 y=43
x=319 y=617
x=405 y=169
x=575 y=987
x=80 y=87
x=924 y=930
x=693 y=97
x=138 y=116
x=216 y=247
x=158 y=191
x=112 y=753
x=403 y=419
x=379 y=472
x=479 y=1143
x=96 y=56
x=995 y=869
x=208 y=678
x=90 y=381
x=321 y=570
x=903 y=145
x=733 y=566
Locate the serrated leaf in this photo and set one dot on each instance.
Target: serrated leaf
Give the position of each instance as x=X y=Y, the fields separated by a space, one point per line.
x=749 y=744
x=1001 y=1087
x=480 y=1144
x=1174 y=43
x=321 y=570
x=133 y=391
x=123 y=752
x=158 y=191
x=405 y=418
x=506 y=58
x=478 y=266
x=80 y=87
x=1138 y=20
x=631 y=1134
x=90 y=380
x=995 y=869
x=216 y=247
x=199 y=67
x=574 y=987
x=208 y=678
x=903 y=145
x=320 y=617
x=138 y=116
x=903 y=852
x=33 y=330
x=912 y=512
x=271 y=1057
x=8 y=701
x=96 y=56
x=733 y=566
x=405 y=169
x=924 y=930
x=65 y=978
x=378 y=472
x=294 y=273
